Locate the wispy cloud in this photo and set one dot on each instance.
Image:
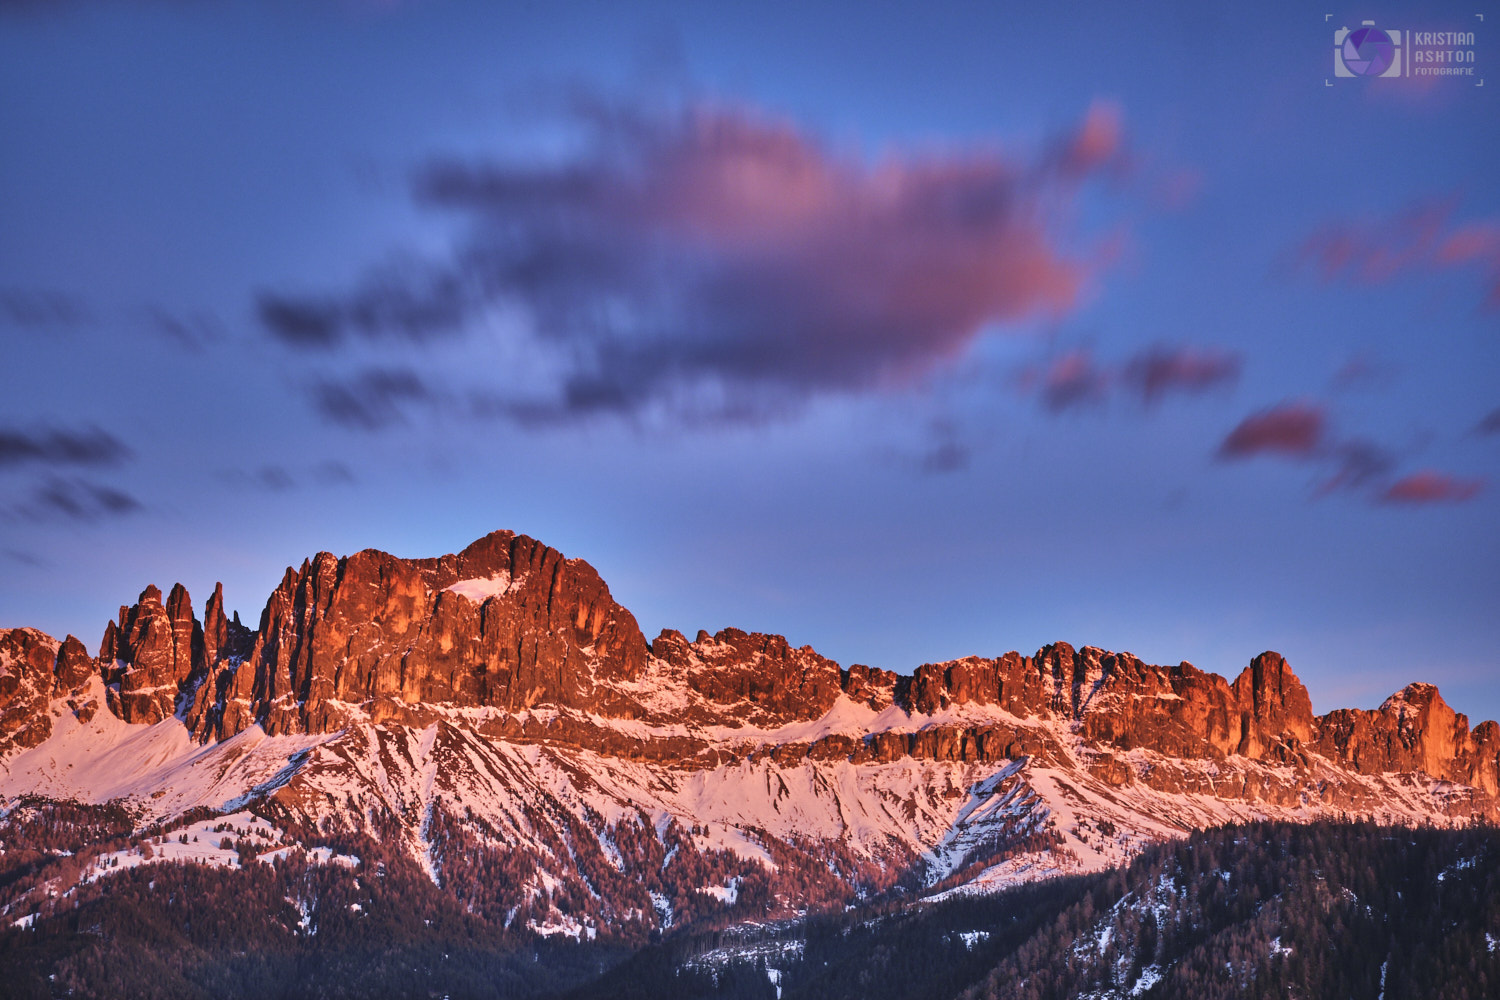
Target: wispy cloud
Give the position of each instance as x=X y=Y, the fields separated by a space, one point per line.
x=1425 y=238
x=41 y=310
x=193 y=331
x=1073 y=380
x=716 y=259
x=1362 y=370
x=1356 y=465
x=88 y=446
x=76 y=500
x=1290 y=430
x=1300 y=431
x=1079 y=379
x=1429 y=487
x=1160 y=371
x=373 y=399
x=947 y=449
x=279 y=479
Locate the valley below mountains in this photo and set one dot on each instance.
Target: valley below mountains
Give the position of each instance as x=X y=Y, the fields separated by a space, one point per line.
x=482 y=754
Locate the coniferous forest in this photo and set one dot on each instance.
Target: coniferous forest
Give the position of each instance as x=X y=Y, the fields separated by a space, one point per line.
x=1266 y=910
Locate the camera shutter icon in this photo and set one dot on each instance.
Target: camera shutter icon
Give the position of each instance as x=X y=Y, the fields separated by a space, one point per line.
x=1366 y=51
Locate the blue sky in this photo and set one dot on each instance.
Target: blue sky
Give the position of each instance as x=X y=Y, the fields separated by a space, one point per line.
x=909 y=331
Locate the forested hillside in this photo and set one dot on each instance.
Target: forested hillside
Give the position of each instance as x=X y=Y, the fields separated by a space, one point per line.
x=1265 y=910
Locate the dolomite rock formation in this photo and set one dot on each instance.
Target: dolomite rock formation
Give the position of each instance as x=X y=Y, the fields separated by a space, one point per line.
x=151 y=655
x=502 y=692
x=509 y=628
x=508 y=624
x=34 y=669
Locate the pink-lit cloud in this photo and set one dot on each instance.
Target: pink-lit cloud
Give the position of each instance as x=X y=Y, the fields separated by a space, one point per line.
x=1078 y=378
x=1290 y=430
x=1300 y=431
x=1096 y=142
x=1156 y=372
x=1422 y=239
x=1073 y=380
x=1429 y=487
x=717 y=250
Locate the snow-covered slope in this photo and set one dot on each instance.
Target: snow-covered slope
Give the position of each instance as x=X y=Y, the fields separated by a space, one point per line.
x=498 y=720
x=944 y=826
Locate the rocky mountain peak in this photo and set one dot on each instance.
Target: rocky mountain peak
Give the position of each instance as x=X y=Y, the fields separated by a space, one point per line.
x=1273 y=705
x=482 y=637
x=507 y=623
x=152 y=654
x=501 y=695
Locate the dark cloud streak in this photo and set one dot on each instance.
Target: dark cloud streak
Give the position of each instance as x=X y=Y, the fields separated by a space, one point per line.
x=374 y=399
x=1299 y=431
x=1357 y=465
x=1073 y=381
x=55 y=447
x=1077 y=379
x=1158 y=371
x=77 y=500
x=275 y=478
x=41 y=311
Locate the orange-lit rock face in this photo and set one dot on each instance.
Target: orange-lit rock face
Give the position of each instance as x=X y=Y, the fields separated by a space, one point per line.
x=511 y=625
x=152 y=655
x=508 y=623
x=27 y=658
x=1414 y=730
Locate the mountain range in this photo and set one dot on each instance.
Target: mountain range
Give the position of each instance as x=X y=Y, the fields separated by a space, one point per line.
x=496 y=721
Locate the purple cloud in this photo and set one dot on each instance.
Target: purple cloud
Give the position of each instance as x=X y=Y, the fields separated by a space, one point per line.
x=1423 y=238
x=695 y=256
x=1429 y=486
x=1357 y=465
x=1292 y=430
x=1077 y=378
x=1161 y=370
x=1072 y=381
x=1299 y=431
x=55 y=447
x=372 y=400
x=41 y=310
x=77 y=500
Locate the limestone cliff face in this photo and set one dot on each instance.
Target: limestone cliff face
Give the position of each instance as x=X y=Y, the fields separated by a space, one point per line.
x=512 y=639
x=1126 y=703
x=755 y=678
x=1413 y=730
x=27 y=660
x=508 y=623
x=34 y=669
x=152 y=655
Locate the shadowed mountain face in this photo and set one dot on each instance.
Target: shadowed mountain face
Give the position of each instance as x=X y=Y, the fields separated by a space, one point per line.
x=497 y=710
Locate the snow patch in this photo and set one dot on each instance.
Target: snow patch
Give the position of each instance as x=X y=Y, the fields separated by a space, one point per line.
x=725 y=894
x=481 y=589
x=1150 y=976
